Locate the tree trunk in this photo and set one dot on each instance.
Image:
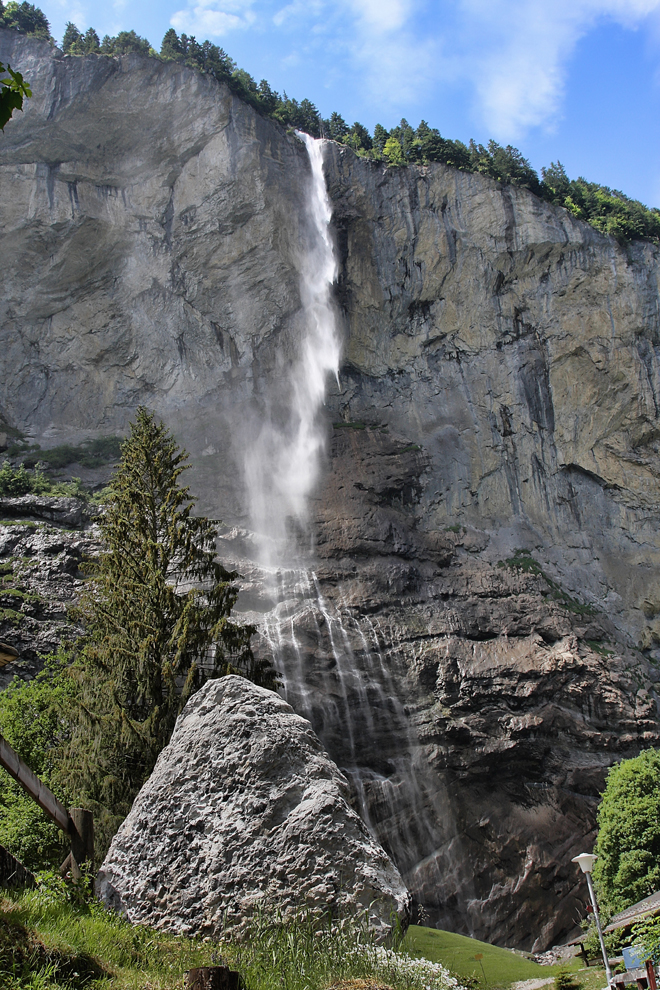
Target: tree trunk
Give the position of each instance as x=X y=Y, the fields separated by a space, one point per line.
x=212 y=978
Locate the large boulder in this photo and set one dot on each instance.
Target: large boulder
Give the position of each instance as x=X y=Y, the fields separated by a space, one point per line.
x=244 y=812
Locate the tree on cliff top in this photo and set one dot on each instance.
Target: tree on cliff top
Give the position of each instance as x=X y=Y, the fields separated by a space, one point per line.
x=26 y=18
x=156 y=617
x=75 y=42
x=628 y=846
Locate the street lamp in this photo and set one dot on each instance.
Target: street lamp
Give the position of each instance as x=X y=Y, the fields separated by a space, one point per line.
x=586 y=862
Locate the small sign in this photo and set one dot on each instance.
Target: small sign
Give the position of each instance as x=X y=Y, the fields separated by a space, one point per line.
x=634 y=956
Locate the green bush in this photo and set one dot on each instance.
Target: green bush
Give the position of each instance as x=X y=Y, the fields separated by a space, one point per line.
x=565 y=980
x=628 y=844
x=15 y=482
x=89 y=454
x=34 y=718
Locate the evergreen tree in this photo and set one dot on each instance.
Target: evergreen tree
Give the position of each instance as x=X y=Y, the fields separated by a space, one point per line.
x=171 y=47
x=268 y=98
x=336 y=127
x=156 y=617
x=71 y=37
x=125 y=42
x=380 y=137
x=556 y=184
x=26 y=18
x=360 y=138
x=90 y=42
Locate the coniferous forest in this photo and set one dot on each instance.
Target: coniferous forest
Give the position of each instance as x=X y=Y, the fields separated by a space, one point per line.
x=608 y=210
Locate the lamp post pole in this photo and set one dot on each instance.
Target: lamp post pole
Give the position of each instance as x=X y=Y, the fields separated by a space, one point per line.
x=586 y=862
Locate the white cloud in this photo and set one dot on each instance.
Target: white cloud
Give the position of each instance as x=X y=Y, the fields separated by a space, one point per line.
x=382 y=16
x=214 y=18
x=516 y=54
x=296 y=11
x=513 y=54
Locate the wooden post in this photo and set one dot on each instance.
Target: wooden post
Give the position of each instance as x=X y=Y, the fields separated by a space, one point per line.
x=212 y=978
x=650 y=975
x=81 y=830
x=82 y=835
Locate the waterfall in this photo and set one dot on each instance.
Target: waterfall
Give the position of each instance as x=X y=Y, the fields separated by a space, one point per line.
x=328 y=655
x=281 y=466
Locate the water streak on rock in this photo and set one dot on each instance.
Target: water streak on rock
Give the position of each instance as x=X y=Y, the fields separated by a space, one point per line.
x=334 y=674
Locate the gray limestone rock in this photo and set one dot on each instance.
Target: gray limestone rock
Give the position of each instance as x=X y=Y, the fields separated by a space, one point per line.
x=52 y=508
x=245 y=811
x=499 y=392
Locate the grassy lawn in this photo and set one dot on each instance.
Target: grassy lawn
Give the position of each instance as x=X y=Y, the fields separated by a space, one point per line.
x=49 y=943
x=490 y=965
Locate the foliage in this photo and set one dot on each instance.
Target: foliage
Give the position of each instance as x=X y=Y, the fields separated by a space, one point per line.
x=591 y=942
x=156 y=614
x=608 y=210
x=124 y=43
x=77 y=43
x=628 y=844
x=565 y=980
x=34 y=716
x=26 y=18
x=393 y=152
x=647 y=933
x=15 y=482
x=89 y=454
x=12 y=92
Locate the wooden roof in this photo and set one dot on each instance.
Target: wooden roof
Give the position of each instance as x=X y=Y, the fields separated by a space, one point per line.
x=649 y=906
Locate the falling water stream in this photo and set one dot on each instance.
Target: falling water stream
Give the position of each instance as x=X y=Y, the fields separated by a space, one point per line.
x=282 y=466
x=330 y=659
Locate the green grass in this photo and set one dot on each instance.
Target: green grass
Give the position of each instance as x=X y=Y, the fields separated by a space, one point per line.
x=44 y=937
x=598 y=647
x=89 y=454
x=469 y=958
x=51 y=939
x=523 y=562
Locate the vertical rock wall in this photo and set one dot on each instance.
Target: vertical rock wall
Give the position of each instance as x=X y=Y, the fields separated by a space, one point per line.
x=485 y=532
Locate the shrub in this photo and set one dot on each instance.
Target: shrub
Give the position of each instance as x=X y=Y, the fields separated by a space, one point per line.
x=628 y=844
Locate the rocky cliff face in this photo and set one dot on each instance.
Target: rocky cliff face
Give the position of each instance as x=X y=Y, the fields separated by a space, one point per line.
x=476 y=636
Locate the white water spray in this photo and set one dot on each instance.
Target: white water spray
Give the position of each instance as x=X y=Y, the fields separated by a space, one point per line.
x=282 y=466
x=329 y=657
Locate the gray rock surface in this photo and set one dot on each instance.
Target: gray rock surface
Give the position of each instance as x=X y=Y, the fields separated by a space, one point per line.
x=499 y=392
x=245 y=812
x=40 y=579
x=58 y=509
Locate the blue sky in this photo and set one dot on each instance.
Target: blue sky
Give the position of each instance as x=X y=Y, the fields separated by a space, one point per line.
x=574 y=80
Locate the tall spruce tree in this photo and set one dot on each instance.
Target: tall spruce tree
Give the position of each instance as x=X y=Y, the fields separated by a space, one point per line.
x=156 y=617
